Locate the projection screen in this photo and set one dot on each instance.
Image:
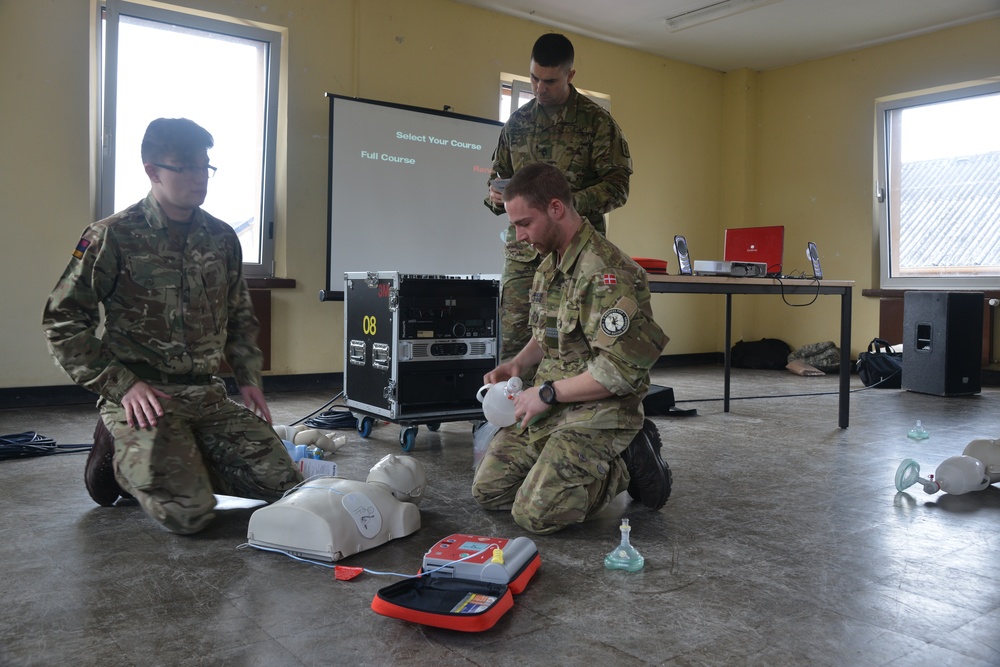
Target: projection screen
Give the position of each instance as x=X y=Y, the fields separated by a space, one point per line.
x=406 y=189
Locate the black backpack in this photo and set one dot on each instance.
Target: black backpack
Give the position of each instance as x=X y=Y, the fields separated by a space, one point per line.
x=766 y=353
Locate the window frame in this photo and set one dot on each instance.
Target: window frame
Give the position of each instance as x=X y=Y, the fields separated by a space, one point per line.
x=107 y=36
x=517 y=87
x=887 y=155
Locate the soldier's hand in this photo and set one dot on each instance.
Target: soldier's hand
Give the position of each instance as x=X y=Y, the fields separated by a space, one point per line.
x=496 y=197
x=528 y=406
x=142 y=405
x=253 y=398
x=501 y=373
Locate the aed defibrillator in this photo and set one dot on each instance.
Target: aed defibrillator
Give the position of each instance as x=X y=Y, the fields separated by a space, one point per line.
x=466 y=582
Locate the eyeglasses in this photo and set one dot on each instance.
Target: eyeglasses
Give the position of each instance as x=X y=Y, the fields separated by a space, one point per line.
x=190 y=170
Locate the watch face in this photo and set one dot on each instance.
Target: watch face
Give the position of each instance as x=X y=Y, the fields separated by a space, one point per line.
x=547 y=393
x=614 y=322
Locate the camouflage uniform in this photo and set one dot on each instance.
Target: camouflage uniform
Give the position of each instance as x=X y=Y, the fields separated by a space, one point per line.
x=175 y=303
x=585 y=143
x=591 y=313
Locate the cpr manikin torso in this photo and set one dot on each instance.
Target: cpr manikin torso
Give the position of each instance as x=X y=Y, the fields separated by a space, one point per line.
x=332 y=518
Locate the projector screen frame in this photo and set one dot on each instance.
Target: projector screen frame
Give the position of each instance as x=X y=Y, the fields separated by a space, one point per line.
x=488 y=241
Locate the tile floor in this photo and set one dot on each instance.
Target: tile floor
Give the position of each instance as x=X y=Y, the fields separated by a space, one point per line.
x=784 y=542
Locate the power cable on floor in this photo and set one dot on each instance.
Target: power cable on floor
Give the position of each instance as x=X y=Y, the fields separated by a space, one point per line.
x=336 y=417
x=28 y=444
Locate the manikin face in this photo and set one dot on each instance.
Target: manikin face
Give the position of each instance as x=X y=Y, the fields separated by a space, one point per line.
x=403 y=475
x=179 y=194
x=550 y=84
x=534 y=226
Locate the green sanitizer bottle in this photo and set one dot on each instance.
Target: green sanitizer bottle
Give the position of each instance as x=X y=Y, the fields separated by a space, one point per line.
x=624 y=556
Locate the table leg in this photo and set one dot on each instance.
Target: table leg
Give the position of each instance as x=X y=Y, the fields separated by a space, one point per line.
x=728 y=353
x=845 y=358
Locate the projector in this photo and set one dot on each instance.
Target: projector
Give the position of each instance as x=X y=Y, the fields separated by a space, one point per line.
x=704 y=267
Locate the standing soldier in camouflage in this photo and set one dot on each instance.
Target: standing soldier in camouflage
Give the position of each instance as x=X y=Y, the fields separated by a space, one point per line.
x=170 y=279
x=566 y=129
x=593 y=341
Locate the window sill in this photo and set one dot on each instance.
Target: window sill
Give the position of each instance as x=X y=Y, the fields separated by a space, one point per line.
x=899 y=293
x=270 y=283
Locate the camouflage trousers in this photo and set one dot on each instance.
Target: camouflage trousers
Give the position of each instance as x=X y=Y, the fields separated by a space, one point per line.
x=555 y=477
x=204 y=444
x=515 y=285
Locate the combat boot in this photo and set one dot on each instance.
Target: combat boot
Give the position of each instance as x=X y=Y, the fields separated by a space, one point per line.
x=650 y=476
x=99 y=472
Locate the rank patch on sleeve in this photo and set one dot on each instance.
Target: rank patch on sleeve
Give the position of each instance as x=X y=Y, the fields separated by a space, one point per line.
x=81 y=248
x=610 y=279
x=614 y=322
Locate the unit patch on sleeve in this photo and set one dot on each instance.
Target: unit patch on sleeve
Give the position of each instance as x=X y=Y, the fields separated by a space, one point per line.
x=614 y=322
x=610 y=279
x=81 y=248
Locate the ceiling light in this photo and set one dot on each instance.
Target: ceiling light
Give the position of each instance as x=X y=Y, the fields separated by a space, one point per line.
x=716 y=10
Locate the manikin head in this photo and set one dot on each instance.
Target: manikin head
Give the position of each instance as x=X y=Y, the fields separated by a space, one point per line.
x=403 y=476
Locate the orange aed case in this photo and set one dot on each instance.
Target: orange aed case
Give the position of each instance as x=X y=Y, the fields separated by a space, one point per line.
x=465 y=583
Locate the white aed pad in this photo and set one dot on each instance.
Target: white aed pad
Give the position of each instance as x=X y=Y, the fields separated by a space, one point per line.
x=473 y=557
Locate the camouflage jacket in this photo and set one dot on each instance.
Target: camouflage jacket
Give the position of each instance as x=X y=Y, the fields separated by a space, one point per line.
x=583 y=141
x=177 y=310
x=591 y=312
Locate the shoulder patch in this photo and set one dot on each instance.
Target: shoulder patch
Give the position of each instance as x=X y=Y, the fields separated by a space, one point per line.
x=81 y=248
x=614 y=322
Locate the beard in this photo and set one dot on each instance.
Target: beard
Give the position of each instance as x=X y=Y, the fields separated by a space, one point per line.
x=548 y=239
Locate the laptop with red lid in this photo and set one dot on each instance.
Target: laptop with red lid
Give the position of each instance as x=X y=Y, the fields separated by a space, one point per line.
x=765 y=245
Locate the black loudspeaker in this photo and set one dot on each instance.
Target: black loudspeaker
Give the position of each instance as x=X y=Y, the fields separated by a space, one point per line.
x=943 y=342
x=659 y=401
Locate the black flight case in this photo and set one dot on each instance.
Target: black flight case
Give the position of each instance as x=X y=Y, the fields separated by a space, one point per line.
x=416 y=348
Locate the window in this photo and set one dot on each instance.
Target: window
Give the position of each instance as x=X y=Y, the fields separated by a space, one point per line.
x=160 y=63
x=938 y=188
x=519 y=89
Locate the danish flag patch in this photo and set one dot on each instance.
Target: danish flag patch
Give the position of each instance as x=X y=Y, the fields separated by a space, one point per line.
x=610 y=279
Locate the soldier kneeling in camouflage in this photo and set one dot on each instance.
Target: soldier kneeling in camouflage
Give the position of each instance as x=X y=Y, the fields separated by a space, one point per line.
x=170 y=279
x=593 y=341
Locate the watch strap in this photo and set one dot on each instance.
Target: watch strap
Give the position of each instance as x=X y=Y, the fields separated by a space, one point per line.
x=548 y=395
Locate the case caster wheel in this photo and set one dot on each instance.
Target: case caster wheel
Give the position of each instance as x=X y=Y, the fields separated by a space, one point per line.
x=407 y=438
x=365 y=426
x=433 y=426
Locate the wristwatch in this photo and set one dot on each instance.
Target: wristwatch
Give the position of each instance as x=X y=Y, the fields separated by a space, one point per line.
x=547 y=392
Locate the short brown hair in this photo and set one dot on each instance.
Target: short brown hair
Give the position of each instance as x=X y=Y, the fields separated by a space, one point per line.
x=177 y=137
x=538 y=184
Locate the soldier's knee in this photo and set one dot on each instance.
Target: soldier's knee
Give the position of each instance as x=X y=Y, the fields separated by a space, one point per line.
x=180 y=517
x=547 y=509
x=489 y=497
x=539 y=525
x=188 y=525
